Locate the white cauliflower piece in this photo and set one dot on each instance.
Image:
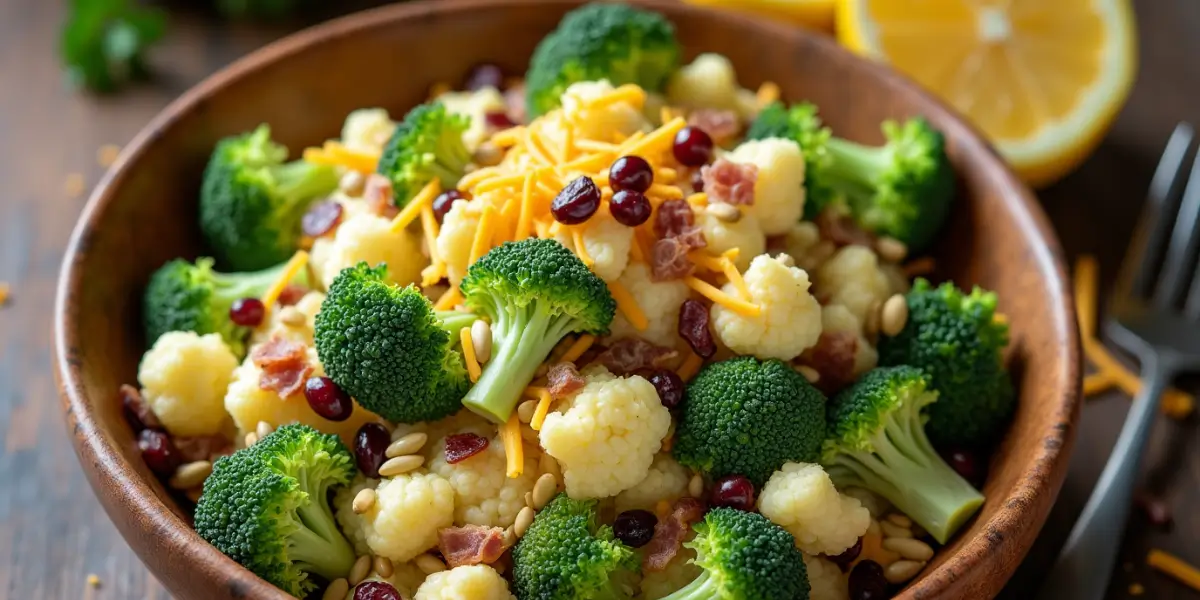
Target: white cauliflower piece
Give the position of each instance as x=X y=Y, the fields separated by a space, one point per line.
x=456 y=237
x=779 y=188
x=679 y=572
x=606 y=435
x=745 y=234
x=309 y=305
x=803 y=243
x=352 y=523
x=367 y=129
x=666 y=480
x=835 y=317
x=710 y=82
x=248 y=404
x=826 y=580
x=409 y=510
x=659 y=300
x=468 y=582
x=800 y=497
x=601 y=124
x=368 y=237
x=475 y=105
x=607 y=243
x=184 y=377
x=484 y=494
x=853 y=279
x=790 y=318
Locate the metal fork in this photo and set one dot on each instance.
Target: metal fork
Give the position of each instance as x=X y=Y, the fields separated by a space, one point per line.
x=1145 y=319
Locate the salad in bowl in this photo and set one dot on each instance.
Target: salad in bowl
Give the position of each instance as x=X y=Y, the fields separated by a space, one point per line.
x=619 y=328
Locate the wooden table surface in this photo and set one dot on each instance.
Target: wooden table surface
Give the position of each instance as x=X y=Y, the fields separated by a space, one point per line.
x=53 y=534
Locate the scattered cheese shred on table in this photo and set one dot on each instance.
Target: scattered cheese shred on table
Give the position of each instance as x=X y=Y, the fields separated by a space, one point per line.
x=514 y=451
x=628 y=306
x=1175 y=567
x=577 y=348
x=294 y=264
x=413 y=209
x=5 y=289
x=468 y=346
x=543 y=408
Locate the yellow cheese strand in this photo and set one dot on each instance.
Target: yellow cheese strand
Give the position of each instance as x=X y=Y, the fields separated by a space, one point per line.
x=526 y=214
x=290 y=270
x=514 y=451
x=691 y=365
x=736 y=305
x=578 y=347
x=543 y=408
x=483 y=234
x=628 y=306
x=1175 y=567
x=413 y=209
x=468 y=347
x=449 y=299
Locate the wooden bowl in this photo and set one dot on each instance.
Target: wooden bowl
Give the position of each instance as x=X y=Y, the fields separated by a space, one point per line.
x=143 y=213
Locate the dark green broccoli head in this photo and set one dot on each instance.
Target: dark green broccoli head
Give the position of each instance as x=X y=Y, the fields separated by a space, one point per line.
x=745 y=557
x=876 y=441
x=800 y=124
x=266 y=507
x=902 y=189
x=956 y=339
x=535 y=292
x=747 y=417
x=567 y=555
x=426 y=145
x=251 y=201
x=601 y=41
x=386 y=347
x=182 y=296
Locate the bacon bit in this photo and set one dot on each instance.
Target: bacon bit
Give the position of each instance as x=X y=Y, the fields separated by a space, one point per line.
x=203 y=447
x=693 y=328
x=629 y=355
x=670 y=532
x=321 y=218
x=673 y=218
x=842 y=230
x=137 y=410
x=833 y=359
x=669 y=260
x=284 y=365
x=379 y=197
x=461 y=446
x=291 y=295
x=564 y=380
x=729 y=182
x=470 y=544
x=721 y=125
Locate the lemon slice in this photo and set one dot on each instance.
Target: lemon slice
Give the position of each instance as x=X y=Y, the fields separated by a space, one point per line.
x=817 y=14
x=1042 y=78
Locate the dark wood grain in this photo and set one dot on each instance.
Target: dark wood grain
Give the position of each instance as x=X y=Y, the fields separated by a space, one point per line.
x=54 y=533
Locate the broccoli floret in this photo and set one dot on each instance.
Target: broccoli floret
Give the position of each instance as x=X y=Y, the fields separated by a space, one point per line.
x=267 y=507
x=251 y=201
x=747 y=417
x=427 y=144
x=876 y=441
x=386 y=347
x=103 y=45
x=745 y=557
x=535 y=292
x=601 y=41
x=957 y=340
x=800 y=124
x=182 y=296
x=567 y=555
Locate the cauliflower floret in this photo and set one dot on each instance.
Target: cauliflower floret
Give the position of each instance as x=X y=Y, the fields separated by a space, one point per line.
x=184 y=377
x=790 y=318
x=803 y=243
x=456 y=237
x=484 y=495
x=678 y=573
x=468 y=582
x=607 y=243
x=826 y=581
x=659 y=301
x=369 y=237
x=745 y=234
x=710 y=82
x=475 y=105
x=367 y=130
x=249 y=404
x=409 y=510
x=352 y=523
x=618 y=117
x=666 y=480
x=605 y=436
x=853 y=279
x=835 y=317
x=779 y=188
x=800 y=497
x=309 y=305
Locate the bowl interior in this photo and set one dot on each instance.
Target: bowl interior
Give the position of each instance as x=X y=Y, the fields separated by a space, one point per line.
x=142 y=214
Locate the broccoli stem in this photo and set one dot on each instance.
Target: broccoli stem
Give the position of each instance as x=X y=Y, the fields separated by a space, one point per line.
x=701 y=588
x=854 y=168
x=317 y=541
x=300 y=182
x=233 y=286
x=453 y=320
x=906 y=470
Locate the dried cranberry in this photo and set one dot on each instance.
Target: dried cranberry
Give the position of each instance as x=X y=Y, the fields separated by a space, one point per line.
x=629 y=208
x=321 y=218
x=444 y=202
x=498 y=119
x=577 y=202
x=867 y=582
x=630 y=173
x=247 y=312
x=376 y=590
x=635 y=527
x=732 y=491
x=965 y=463
x=697 y=180
x=484 y=75
x=669 y=386
x=845 y=559
x=370 y=448
x=693 y=147
x=461 y=446
x=693 y=328
x=159 y=453
x=328 y=399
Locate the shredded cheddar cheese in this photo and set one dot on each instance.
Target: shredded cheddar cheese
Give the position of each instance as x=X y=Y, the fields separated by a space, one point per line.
x=473 y=178
x=483 y=234
x=1175 y=567
x=543 y=408
x=665 y=192
x=413 y=209
x=526 y=215
x=468 y=347
x=630 y=93
x=580 y=248
x=448 y=299
x=514 y=449
x=577 y=348
x=335 y=154
x=691 y=365
x=712 y=293
x=298 y=261
x=628 y=306
x=698 y=200
x=656 y=141
x=4 y=291
x=594 y=146
x=430 y=226
x=767 y=93
x=534 y=391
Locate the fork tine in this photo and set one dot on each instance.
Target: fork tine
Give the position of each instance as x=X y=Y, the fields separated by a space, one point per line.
x=1137 y=268
x=1184 y=239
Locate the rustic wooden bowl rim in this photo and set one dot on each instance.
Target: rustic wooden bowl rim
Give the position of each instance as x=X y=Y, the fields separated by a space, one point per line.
x=102 y=458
